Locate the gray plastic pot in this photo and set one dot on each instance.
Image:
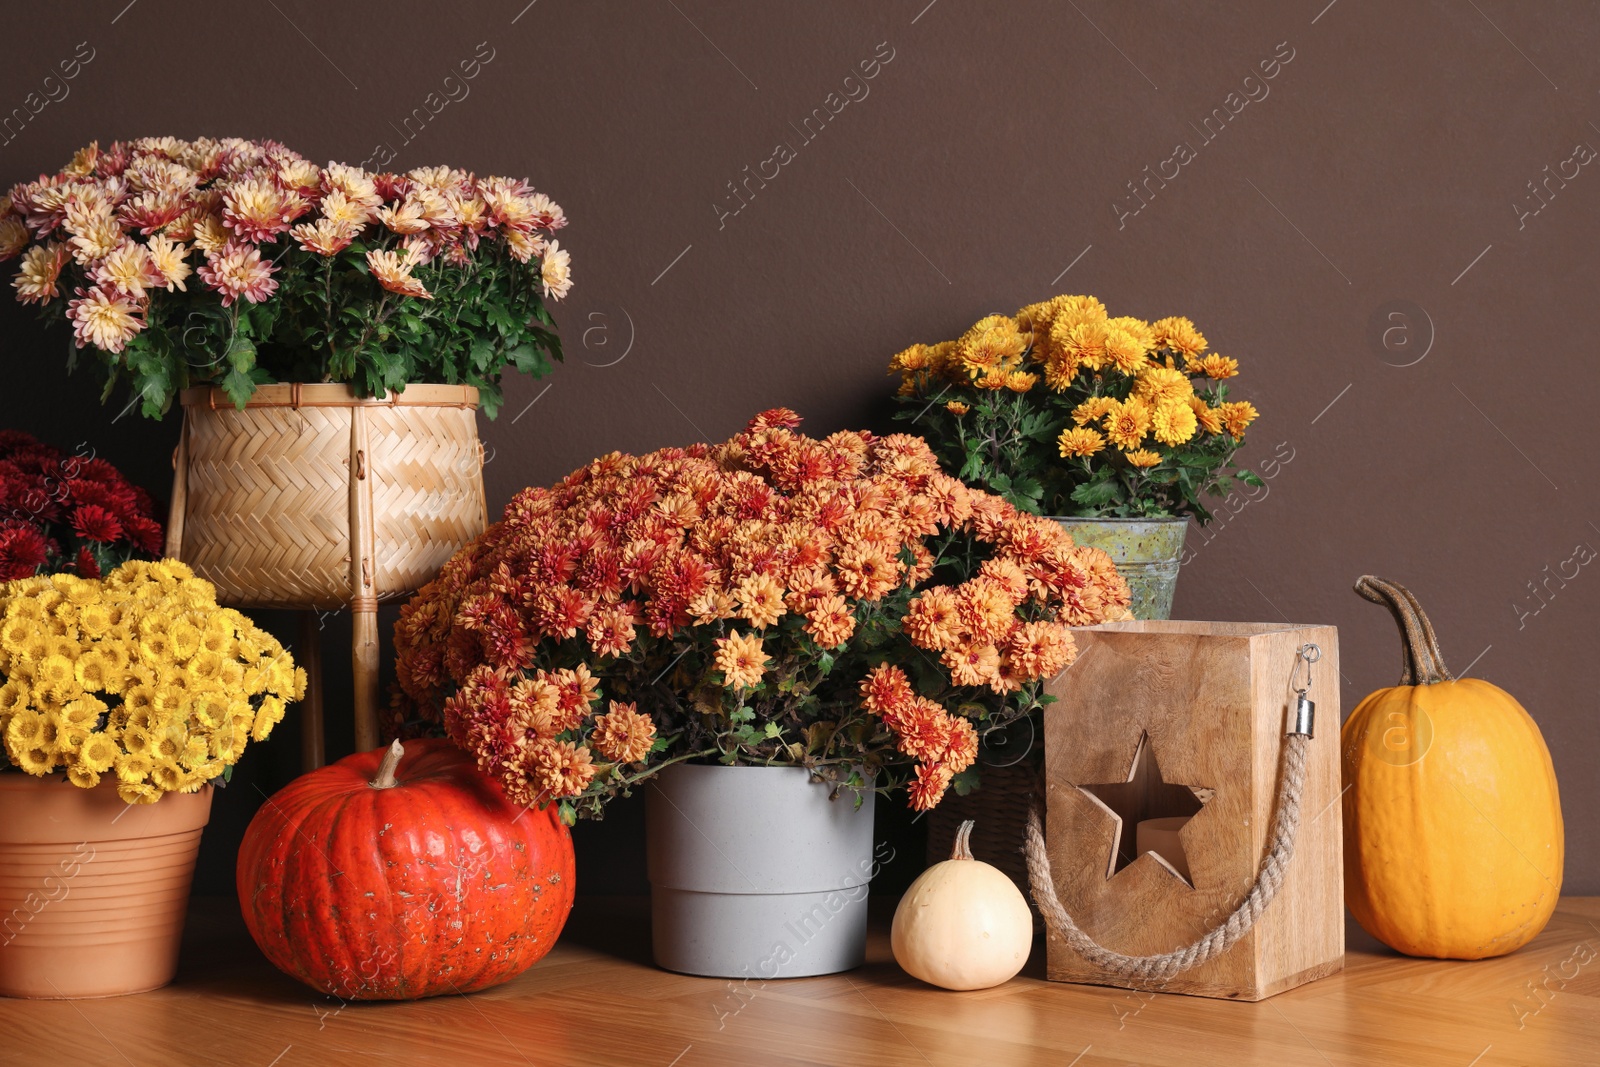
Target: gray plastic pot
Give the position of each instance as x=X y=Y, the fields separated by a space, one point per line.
x=755 y=873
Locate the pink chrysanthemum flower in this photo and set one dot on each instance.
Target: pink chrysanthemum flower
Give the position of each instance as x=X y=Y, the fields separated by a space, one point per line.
x=257 y=210
x=555 y=271
x=41 y=269
x=237 y=270
x=325 y=237
x=393 y=272
x=107 y=320
x=129 y=269
x=169 y=258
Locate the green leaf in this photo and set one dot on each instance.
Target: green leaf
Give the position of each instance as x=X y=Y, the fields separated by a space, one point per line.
x=1095 y=494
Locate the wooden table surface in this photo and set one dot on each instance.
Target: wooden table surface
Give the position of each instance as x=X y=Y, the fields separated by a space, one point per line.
x=597 y=1000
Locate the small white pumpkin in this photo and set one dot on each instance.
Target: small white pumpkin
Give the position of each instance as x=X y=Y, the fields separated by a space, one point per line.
x=963 y=924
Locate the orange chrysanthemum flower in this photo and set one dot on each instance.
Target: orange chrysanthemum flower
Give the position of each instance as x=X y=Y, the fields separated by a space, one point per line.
x=761 y=600
x=932 y=620
x=830 y=621
x=1179 y=334
x=1216 y=366
x=1236 y=415
x=1127 y=423
x=740 y=659
x=1205 y=415
x=623 y=735
x=1078 y=442
x=1143 y=457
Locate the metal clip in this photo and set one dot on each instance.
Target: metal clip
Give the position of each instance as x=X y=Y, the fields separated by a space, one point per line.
x=1305 y=709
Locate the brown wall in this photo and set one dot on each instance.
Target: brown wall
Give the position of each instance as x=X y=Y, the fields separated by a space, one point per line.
x=1384 y=165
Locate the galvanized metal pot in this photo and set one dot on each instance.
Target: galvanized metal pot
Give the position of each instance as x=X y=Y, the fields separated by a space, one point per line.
x=755 y=873
x=1147 y=553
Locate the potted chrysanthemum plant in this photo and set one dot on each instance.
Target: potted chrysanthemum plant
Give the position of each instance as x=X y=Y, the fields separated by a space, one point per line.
x=121 y=701
x=756 y=627
x=61 y=513
x=1116 y=426
x=329 y=333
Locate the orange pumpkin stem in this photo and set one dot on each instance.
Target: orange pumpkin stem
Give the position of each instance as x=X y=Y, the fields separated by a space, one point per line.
x=1424 y=663
x=963 y=847
x=386 y=769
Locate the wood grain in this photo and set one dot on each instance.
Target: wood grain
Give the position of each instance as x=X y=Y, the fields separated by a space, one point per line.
x=595 y=1000
x=1209 y=699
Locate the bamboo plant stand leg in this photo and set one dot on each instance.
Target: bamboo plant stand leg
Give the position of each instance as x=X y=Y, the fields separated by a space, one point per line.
x=364 y=603
x=313 y=744
x=364 y=666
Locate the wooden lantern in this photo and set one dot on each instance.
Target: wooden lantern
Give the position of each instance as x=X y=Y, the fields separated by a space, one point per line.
x=1162 y=720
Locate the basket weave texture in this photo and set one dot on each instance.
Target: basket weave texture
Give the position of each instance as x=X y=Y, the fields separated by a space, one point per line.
x=268 y=509
x=999 y=806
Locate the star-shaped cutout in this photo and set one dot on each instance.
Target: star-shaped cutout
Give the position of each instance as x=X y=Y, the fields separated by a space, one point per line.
x=1146 y=795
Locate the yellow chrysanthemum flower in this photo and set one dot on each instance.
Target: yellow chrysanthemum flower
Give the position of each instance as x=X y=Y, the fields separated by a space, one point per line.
x=137 y=739
x=37 y=760
x=992 y=344
x=95 y=619
x=98 y=752
x=1021 y=381
x=26 y=729
x=185 y=637
x=1091 y=409
x=1143 y=457
x=1080 y=442
x=55 y=676
x=132 y=769
x=1159 y=385
x=1083 y=342
x=957 y=408
x=1123 y=351
x=194 y=753
x=1236 y=415
x=1205 y=415
x=91 y=671
x=1141 y=331
x=83 y=777
x=1173 y=422
x=165 y=775
x=138 y=793
x=16 y=632
x=1216 y=366
x=1180 y=335
x=910 y=360
x=1127 y=423
x=13 y=696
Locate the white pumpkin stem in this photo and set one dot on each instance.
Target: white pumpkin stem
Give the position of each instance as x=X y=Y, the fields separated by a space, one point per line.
x=390 y=764
x=963 y=848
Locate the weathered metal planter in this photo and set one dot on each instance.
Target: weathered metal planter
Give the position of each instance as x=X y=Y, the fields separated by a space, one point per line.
x=1147 y=553
x=755 y=873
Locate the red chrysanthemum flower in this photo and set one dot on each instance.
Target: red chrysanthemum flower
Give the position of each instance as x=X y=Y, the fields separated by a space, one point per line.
x=96 y=524
x=23 y=550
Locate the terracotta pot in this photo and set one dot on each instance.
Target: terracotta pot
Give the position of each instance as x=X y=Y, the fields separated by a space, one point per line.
x=92 y=890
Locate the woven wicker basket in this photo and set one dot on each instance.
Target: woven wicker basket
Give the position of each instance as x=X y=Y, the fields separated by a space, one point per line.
x=313 y=498
x=999 y=806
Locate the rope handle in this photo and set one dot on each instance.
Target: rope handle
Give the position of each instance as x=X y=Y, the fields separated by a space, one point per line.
x=1274 y=866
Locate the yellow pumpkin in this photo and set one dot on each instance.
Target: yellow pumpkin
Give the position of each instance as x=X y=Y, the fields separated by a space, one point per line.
x=963 y=924
x=1453 y=842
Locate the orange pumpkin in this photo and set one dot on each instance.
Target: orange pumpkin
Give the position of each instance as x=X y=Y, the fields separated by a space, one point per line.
x=1452 y=823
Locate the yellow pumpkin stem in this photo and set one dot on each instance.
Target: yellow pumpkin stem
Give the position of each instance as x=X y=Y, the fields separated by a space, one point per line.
x=963 y=848
x=386 y=769
x=1424 y=663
